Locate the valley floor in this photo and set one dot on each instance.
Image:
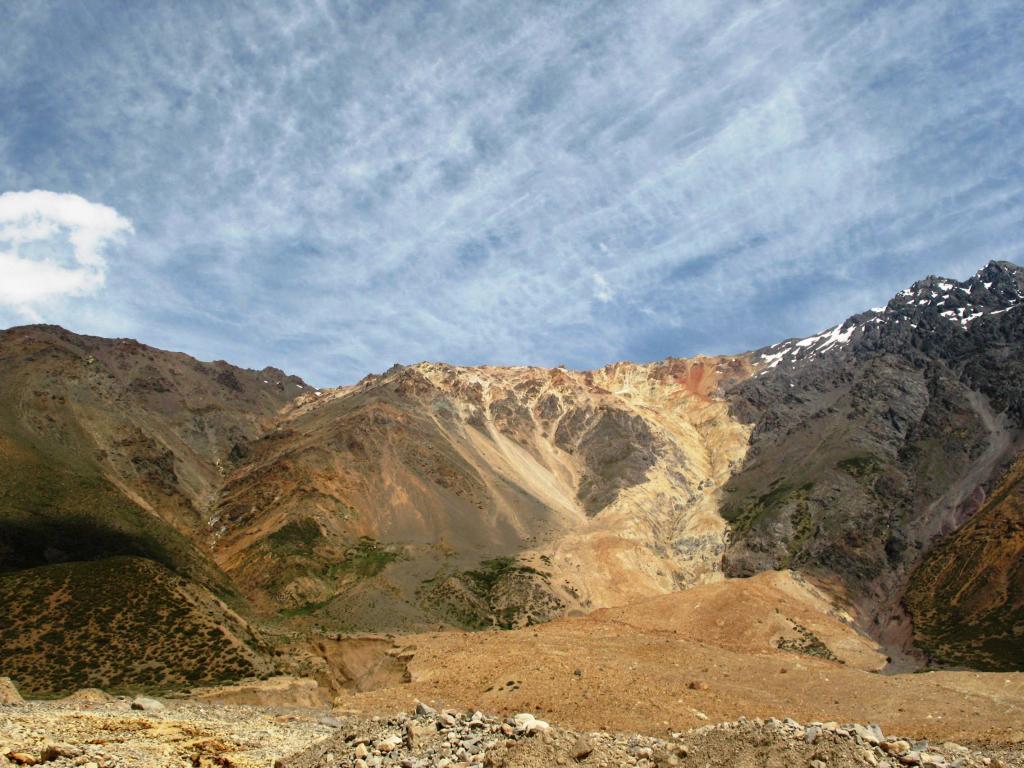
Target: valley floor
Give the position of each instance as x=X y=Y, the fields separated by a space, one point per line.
x=652 y=683
x=648 y=685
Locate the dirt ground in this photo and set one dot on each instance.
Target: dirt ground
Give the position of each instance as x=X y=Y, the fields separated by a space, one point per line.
x=653 y=667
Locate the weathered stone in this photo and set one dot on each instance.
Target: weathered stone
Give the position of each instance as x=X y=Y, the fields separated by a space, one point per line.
x=896 y=746
x=583 y=748
x=146 y=704
x=416 y=732
x=425 y=709
x=22 y=758
x=57 y=751
x=9 y=693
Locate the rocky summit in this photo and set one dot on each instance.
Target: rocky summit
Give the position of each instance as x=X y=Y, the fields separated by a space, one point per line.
x=659 y=548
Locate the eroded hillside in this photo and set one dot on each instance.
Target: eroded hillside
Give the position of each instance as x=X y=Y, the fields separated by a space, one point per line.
x=486 y=495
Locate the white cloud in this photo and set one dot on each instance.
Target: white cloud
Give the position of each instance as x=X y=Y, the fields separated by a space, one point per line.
x=53 y=245
x=602 y=291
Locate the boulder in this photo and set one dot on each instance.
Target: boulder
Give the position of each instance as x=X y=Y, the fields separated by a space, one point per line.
x=146 y=704
x=8 y=693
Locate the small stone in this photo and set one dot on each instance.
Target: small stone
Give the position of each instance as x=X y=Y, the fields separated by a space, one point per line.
x=416 y=732
x=536 y=726
x=866 y=734
x=911 y=758
x=583 y=748
x=811 y=734
x=697 y=685
x=361 y=751
x=424 y=709
x=896 y=746
x=330 y=722
x=818 y=764
x=57 y=751
x=22 y=758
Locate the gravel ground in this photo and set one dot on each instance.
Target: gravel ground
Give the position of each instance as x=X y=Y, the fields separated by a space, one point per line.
x=96 y=731
x=112 y=735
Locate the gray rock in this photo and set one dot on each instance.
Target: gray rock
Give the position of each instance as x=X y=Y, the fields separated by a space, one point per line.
x=424 y=709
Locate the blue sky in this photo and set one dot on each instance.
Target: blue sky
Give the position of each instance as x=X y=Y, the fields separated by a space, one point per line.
x=334 y=187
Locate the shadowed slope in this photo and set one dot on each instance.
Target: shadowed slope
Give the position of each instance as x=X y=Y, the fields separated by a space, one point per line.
x=967 y=597
x=120 y=624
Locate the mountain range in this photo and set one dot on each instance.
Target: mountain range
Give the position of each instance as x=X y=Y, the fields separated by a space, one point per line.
x=881 y=460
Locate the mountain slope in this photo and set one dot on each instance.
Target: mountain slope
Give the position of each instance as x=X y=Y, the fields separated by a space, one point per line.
x=486 y=495
x=111 y=447
x=867 y=459
x=967 y=596
x=877 y=438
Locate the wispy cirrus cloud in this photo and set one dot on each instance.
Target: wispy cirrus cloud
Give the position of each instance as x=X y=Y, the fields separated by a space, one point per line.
x=336 y=186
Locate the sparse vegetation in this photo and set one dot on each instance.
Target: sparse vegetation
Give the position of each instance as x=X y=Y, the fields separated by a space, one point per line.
x=295 y=537
x=808 y=644
x=500 y=592
x=860 y=466
x=780 y=495
x=366 y=559
x=121 y=624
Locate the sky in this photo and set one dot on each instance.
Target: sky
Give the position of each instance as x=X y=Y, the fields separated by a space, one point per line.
x=333 y=187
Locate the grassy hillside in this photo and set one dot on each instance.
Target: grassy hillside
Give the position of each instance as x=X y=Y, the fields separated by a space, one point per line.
x=120 y=624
